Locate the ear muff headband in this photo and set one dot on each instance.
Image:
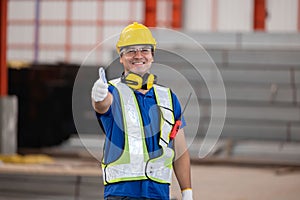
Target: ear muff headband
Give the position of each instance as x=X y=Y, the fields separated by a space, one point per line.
x=135 y=81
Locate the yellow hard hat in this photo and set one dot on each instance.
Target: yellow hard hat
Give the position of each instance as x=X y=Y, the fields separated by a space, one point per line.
x=135 y=34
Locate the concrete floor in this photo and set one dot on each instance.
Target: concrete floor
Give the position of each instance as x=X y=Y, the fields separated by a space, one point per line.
x=243 y=183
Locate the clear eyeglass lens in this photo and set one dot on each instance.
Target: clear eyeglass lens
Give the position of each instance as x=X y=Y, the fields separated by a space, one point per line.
x=133 y=52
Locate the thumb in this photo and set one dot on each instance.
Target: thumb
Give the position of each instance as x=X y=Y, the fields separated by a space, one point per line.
x=102 y=75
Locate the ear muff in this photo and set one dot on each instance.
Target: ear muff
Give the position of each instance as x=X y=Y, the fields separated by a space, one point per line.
x=149 y=81
x=135 y=81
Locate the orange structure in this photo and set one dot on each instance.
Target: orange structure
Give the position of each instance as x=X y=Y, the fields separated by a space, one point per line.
x=177 y=14
x=150 y=13
x=3 y=64
x=259 y=15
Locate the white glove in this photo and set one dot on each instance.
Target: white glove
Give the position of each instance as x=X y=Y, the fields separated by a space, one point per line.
x=100 y=88
x=187 y=194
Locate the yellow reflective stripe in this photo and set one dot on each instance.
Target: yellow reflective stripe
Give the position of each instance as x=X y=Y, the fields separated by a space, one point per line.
x=164 y=101
x=138 y=178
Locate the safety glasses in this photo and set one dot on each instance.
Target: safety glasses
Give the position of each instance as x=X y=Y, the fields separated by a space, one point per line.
x=131 y=52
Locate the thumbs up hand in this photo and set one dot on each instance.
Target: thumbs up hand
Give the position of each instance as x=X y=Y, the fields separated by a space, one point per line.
x=100 y=88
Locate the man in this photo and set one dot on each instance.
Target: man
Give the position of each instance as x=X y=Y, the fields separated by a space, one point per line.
x=138 y=118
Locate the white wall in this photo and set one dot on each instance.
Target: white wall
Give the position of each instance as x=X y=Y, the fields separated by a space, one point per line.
x=282 y=15
x=198 y=15
x=230 y=15
x=235 y=15
x=93 y=22
x=20 y=34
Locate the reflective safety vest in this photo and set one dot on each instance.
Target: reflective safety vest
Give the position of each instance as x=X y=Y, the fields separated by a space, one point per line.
x=134 y=162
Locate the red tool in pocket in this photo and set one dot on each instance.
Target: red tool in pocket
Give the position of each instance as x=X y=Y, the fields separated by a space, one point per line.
x=175 y=129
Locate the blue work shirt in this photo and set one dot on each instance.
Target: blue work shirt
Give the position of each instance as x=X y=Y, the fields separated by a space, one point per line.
x=112 y=124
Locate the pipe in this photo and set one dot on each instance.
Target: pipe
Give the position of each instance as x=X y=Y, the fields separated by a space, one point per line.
x=298 y=16
x=36 y=31
x=214 y=15
x=68 y=24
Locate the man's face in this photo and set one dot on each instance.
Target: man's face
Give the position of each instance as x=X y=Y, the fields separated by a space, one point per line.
x=137 y=59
